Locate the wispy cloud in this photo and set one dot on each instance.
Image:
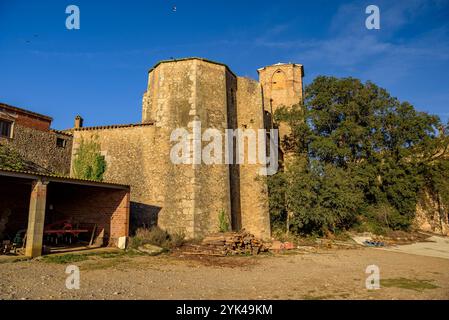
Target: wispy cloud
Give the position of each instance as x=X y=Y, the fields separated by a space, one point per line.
x=350 y=18
x=350 y=46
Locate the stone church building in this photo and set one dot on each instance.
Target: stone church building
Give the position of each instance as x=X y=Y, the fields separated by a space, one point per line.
x=142 y=186
x=189 y=197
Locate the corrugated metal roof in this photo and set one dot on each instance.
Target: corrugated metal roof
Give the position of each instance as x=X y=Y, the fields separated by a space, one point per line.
x=58 y=178
x=67 y=133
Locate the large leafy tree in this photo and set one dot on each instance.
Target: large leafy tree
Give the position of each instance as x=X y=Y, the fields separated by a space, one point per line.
x=364 y=153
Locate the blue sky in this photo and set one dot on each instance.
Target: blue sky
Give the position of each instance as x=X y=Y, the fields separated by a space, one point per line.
x=100 y=71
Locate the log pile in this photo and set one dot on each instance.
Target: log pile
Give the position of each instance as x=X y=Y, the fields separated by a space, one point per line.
x=229 y=243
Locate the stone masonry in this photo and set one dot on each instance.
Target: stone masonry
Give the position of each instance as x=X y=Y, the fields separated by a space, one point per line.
x=33 y=139
x=189 y=197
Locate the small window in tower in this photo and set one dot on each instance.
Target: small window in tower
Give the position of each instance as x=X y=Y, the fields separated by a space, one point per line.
x=61 y=143
x=5 y=129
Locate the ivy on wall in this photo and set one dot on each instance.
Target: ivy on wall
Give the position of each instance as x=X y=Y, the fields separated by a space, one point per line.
x=89 y=163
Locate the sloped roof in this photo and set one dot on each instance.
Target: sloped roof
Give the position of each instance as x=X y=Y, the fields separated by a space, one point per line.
x=59 y=178
x=112 y=126
x=24 y=111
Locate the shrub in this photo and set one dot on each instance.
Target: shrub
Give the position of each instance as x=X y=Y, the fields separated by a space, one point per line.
x=223 y=221
x=89 y=163
x=158 y=237
x=365 y=224
x=177 y=239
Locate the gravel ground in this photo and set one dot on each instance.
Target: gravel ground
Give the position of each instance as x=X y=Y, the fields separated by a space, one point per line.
x=325 y=274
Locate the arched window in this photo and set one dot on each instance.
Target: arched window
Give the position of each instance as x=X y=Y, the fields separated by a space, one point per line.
x=278 y=80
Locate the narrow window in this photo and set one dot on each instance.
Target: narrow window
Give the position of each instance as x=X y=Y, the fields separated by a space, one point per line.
x=61 y=143
x=5 y=128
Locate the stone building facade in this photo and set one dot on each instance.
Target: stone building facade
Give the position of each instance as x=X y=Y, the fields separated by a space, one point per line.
x=189 y=198
x=185 y=198
x=29 y=133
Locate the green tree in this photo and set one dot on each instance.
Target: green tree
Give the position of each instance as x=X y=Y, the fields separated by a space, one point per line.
x=362 y=151
x=322 y=197
x=11 y=159
x=88 y=162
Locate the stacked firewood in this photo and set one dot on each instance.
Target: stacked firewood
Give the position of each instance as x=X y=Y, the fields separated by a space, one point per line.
x=229 y=243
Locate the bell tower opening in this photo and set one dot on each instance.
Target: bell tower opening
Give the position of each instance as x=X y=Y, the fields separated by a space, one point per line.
x=278 y=80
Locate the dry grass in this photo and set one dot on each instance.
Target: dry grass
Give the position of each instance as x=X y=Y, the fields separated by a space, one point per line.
x=158 y=237
x=410 y=284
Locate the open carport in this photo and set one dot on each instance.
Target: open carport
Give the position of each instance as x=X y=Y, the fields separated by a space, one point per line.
x=51 y=209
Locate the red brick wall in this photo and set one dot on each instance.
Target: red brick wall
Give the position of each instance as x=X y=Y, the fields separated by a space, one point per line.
x=15 y=201
x=25 y=119
x=33 y=122
x=108 y=208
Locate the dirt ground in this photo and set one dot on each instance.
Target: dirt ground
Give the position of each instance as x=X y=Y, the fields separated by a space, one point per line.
x=322 y=274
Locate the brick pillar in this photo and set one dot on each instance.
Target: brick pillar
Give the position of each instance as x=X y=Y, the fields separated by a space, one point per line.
x=36 y=219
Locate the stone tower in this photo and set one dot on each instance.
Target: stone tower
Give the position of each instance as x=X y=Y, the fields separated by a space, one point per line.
x=179 y=93
x=195 y=89
x=190 y=197
x=281 y=86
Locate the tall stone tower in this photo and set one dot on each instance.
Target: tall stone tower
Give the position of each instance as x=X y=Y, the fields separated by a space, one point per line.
x=281 y=86
x=180 y=92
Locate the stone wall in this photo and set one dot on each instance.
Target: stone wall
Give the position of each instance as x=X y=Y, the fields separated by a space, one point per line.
x=179 y=93
x=234 y=168
x=39 y=147
x=170 y=103
x=281 y=86
x=212 y=185
x=186 y=198
x=430 y=215
x=134 y=156
x=253 y=188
